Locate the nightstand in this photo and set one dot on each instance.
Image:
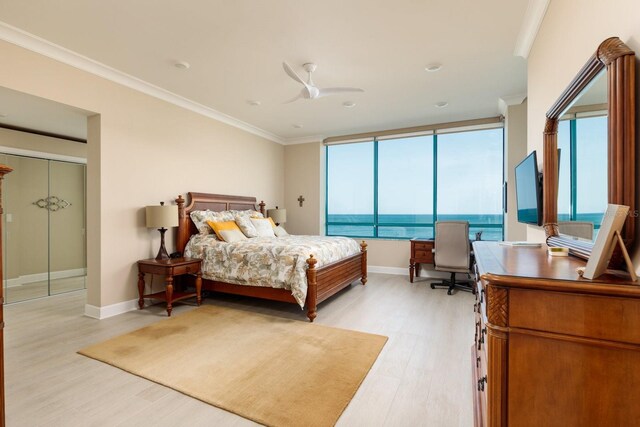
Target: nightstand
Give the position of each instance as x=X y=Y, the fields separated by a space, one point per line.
x=170 y=268
x=421 y=252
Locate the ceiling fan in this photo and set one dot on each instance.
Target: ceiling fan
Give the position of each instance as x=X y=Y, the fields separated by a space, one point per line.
x=310 y=90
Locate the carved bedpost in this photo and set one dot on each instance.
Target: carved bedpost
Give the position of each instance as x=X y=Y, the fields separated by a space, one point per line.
x=363 y=249
x=312 y=288
x=262 y=205
x=183 y=226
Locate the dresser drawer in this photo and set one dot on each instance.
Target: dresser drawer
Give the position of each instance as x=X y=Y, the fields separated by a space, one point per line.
x=479 y=388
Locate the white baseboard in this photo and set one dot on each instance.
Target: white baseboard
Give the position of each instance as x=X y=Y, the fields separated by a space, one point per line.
x=431 y=274
x=40 y=277
x=110 y=310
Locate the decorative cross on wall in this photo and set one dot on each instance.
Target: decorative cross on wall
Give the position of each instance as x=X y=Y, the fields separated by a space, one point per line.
x=301 y=199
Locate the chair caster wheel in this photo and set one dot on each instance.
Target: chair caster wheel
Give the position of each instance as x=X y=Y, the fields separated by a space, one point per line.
x=433 y=286
x=449 y=292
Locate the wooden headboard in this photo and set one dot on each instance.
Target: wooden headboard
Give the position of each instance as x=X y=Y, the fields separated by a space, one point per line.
x=212 y=202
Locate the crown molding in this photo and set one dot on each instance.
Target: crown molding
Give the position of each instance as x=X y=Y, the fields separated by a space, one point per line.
x=506 y=101
x=530 y=26
x=303 y=140
x=44 y=47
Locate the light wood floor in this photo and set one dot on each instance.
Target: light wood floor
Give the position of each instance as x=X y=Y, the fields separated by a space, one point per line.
x=41 y=289
x=422 y=376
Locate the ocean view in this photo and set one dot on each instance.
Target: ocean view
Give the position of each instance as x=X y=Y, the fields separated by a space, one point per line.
x=409 y=226
x=405 y=226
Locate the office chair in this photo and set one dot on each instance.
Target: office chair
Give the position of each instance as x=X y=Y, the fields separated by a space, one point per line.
x=581 y=229
x=452 y=254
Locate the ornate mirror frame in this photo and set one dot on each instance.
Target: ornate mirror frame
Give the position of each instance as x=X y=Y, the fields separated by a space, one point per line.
x=619 y=62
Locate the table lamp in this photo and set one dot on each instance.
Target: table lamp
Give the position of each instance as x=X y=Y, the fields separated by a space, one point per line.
x=160 y=217
x=279 y=216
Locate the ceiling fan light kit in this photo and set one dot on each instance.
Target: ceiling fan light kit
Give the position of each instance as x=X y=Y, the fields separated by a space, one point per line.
x=310 y=90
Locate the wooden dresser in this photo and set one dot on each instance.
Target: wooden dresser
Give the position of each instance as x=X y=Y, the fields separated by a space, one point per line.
x=552 y=349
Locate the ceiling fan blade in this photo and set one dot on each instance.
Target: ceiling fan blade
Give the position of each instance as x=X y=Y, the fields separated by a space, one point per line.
x=336 y=90
x=295 y=98
x=292 y=74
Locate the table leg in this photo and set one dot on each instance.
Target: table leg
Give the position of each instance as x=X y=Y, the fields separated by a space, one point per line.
x=411 y=267
x=169 y=292
x=417 y=269
x=141 y=290
x=199 y=288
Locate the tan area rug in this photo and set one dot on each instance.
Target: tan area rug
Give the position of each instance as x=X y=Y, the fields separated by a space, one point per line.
x=274 y=371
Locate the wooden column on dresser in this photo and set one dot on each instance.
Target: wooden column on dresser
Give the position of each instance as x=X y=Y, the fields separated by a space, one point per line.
x=552 y=349
x=3 y=171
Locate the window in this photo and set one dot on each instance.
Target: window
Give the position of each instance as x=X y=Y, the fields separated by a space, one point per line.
x=397 y=188
x=405 y=187
x=582 y=188
x=350 y=190
x=470 y=177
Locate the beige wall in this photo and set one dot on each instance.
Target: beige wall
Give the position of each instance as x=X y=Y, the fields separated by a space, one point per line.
x=568 y=36
x=302 y=164
x=42 y=144
x=515 y=150
x=141 y=151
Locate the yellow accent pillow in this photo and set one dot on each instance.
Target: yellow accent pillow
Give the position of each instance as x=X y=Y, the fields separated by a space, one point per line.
x=273 y=224
x=224 y=225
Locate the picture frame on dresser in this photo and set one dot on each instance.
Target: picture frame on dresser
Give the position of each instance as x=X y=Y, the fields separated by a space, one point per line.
x=608 y=236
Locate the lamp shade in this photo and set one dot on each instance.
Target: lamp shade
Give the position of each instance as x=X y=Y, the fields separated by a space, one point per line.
x=279 y=216
x=162 y=216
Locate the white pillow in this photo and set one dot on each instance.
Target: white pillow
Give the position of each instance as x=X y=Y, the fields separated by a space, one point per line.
x=279 y=231
x=263 y=227
x=245 y=224
x=231 y=236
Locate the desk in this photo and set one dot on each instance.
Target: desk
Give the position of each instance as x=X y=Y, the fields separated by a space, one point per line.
x=421 y=252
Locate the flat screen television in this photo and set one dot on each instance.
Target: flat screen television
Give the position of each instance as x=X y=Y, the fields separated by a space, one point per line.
x=529 y=191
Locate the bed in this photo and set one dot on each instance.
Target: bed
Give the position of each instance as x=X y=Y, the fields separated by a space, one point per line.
x=322 y=282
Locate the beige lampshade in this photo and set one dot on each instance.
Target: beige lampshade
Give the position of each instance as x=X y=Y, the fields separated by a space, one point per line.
x=279 y=216
x=162 y=216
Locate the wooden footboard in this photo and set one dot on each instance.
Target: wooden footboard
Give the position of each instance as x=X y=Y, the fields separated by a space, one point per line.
x=326 y=281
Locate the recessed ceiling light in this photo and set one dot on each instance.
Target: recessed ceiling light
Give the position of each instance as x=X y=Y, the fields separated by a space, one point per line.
x=297 y=125
x=348 y=104
x=253 y=102
x=441 y=104
x=183 y=65
x=433 y=67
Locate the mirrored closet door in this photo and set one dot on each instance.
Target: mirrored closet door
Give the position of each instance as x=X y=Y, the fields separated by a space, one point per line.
x=44 y=230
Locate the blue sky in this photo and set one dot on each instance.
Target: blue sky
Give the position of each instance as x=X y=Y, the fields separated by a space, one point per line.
x=591 y=159
x=469 y=175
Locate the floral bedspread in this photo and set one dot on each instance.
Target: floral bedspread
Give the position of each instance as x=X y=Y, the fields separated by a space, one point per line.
x=266 y=261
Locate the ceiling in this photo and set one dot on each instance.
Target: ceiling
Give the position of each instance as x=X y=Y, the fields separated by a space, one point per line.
x=236 y=49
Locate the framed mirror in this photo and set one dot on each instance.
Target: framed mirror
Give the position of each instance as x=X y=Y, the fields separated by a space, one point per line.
x=593 y=124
